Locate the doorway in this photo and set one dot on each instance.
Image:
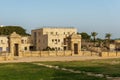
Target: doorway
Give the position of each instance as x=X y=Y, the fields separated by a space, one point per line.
x=75 y=48
x=16 y=50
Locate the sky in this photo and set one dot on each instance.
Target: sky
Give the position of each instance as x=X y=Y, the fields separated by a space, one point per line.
x=101 y=16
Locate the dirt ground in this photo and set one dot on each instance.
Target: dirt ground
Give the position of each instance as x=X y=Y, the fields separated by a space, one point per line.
x=58 y=58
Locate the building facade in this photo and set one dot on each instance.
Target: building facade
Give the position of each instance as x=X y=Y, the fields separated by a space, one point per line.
x=23 y=43
x=55 y=38
x=58 y=39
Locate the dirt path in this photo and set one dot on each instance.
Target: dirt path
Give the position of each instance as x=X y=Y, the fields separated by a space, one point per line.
x=58 y=58
x=77 y=71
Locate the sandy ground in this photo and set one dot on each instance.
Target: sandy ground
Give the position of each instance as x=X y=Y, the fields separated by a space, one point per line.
x=58 y=58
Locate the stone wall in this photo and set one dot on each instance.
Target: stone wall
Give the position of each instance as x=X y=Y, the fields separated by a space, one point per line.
x=68 y=53
x=110 y=54
x=45 y=53
x=59 y=53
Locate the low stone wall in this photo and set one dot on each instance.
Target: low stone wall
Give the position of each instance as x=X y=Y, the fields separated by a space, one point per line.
x=89 y=53
x=8 y=56
x=46 y=53
x=2 y=58
x=110 y=54
x=57 y=53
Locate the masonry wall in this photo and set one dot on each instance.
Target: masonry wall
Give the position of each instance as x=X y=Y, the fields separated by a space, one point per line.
x=60 y=53
x=68 y=53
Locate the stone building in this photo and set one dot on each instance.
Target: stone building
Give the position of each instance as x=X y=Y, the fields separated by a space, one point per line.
x=14 y=44
x=56 y=38
x=59 y=39
x=4 y=43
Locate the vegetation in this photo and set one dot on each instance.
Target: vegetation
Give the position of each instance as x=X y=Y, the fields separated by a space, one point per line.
x=94 y=34
x=85 y=36
x=107 y=36
x=104 y=44
x=29 y=71
x=109 y=67
x=48 y=49
x=7 y=30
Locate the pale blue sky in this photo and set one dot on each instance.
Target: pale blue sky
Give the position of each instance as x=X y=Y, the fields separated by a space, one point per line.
x=102 y=16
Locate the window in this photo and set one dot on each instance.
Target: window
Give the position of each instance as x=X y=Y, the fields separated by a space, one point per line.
x=25 y=41
x=56 y=33
x=58 y=40
x=64 y=32
x=68 y=32
x=0 y=49
x=51 y=32
x=58 y=48
x=55 y=41
x=1 y=41
x=52 y=40
x=25 y=48
x=7 y=49
x=55 y=48
x=22 y=41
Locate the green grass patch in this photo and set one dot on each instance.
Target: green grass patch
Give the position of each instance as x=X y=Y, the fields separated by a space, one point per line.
x=29 y=71
x=108 y=66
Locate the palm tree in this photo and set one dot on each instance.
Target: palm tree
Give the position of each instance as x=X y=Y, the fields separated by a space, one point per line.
x=94 y=34
x=108 y=36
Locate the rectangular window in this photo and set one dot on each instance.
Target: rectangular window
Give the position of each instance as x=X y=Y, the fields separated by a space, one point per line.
x=51 y=32
x=68 y=32
x=35 y=37
x=55 y=48
x=58 y=48
x=1 y=49
x=58 y=40
x=7 y=49
x=22 y=41
x=55 y=41
x=25 y=48
x=52 y=40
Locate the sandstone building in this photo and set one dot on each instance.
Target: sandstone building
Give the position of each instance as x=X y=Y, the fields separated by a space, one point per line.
x=56 y=38
x=15 y=43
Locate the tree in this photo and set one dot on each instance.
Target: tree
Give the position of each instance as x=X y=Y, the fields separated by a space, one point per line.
x=85 y=36
x=7 y=30
x=94 y=34
x=108 y=36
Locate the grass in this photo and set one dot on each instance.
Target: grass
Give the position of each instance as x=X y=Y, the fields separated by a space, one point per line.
x=108 y=67
x=29 y=71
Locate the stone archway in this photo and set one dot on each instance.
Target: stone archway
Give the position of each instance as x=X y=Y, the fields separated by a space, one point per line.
x=15 y=44
x=74 y=42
